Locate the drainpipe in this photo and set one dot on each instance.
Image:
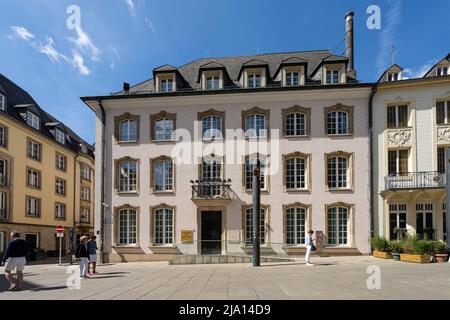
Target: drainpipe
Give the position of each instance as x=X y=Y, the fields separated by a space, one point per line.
x=102 y=185
x=73 y=233
x=372 y=180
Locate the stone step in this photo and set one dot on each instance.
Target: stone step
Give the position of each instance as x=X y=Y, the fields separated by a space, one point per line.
x=221 y=259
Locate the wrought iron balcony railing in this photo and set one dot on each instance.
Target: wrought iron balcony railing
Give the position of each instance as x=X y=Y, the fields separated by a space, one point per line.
x=211 y=189
x=415 y=180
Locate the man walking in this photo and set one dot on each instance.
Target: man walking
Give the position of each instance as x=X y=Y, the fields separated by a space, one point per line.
x=92 y=248
x=15 y=258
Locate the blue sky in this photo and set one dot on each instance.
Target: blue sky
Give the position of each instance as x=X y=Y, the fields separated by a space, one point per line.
x=123 y=40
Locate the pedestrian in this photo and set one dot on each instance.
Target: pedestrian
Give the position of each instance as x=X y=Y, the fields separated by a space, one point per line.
x=92 y=248
x=310 y=247
x=82 y=253
x=15 y=258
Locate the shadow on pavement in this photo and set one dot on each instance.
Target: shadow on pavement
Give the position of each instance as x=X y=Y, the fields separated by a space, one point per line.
x=297 y=264
x=27 y=286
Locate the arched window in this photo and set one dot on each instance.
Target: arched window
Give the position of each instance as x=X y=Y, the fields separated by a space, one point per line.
x=338 y=122
x=249 y=225
x=163 y=175
x=338 y=171
x=295 y=225
x=128 y=130
x=250 y=165
x=128 y=176
x=212 y=127
x=127 y=226
x=338 y=225
x=163 y=219
x=296 y=174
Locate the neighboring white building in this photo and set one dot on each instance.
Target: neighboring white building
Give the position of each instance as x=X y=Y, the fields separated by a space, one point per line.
x=411 y=129
x=307 y=105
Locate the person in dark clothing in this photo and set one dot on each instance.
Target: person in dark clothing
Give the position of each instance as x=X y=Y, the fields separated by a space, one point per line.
x=82 y=253
x=15 y=258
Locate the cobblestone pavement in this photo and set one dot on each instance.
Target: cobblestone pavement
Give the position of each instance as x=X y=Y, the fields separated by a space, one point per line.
x=329 y=278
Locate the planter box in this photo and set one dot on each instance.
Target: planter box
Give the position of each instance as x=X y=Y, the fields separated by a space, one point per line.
x=416 y=258
x=382 y=255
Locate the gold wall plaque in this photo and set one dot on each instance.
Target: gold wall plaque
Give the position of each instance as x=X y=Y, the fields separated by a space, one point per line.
x=187 y=236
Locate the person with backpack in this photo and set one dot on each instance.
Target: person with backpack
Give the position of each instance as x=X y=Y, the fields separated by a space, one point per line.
x=310 y=247
x=92 y=248
x=82 y=253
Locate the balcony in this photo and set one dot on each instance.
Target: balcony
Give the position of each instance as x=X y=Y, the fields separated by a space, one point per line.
x=211 y=189
x=415 y=180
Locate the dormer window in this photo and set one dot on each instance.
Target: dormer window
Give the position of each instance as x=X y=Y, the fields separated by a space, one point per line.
x=212 y=83
x=393 y=76
x=2 y=102
x=60 y=136
x=33 y=120
x=442 y=71
x=292 y=79
x=332 y=76
x=166 y=85
x=254 y=80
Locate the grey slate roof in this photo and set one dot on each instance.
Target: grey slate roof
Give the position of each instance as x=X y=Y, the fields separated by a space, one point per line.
x=233 y=65
x=18 y=100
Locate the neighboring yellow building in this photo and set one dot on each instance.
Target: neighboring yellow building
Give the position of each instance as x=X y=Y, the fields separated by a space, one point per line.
x=46 y=174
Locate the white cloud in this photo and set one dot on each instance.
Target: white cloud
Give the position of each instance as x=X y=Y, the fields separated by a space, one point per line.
x=387 y=35
x=49 y=50
x=418 y=72
x=21 y=32
x=84 y=43
x=149 y=23
x=131 y=7
x=78 y=62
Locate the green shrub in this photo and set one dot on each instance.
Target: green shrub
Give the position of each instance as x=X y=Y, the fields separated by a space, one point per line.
x=413 y=245
x=439 y=247
x=380 y=244
x=396 y=246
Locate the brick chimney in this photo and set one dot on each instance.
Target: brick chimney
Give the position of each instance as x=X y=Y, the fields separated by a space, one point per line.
x=349 y=44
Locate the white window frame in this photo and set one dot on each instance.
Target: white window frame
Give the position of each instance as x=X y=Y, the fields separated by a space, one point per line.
x=35 y=151
x=337 y=115
x=2 y=241
x=213 y=130
x=60 y=162
x=166 y=85
x=128 y=136
x=397 y=117
x=164 y=236
x=252 y=80
x=2 y=136
x=290 y=77
x=167 y=175
x=446 y=109
x=2 y=102
x=254 y=132
x=397 y=160
x=33 y=120
x=165 y=130
x=330 y=76
x=33 y=178
x=85 y=172
x=338 y=177
x=60 y=136
x=60 y=211
x=129 y=233
x=440 y=71
x=85 y=193
x=296 y=126
x=393 y=76
x=3 y=205
x=292 y=237
x=248 y=231
x=60 y=187
x=297 y=174
x=85 y=212
x=4 y=172
x=128 y=183
x=250 y=164
x=338 y=225
x=33 y=207
x=212 y=82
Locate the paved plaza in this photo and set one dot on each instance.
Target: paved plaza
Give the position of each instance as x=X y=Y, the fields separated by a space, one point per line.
x=329 y=278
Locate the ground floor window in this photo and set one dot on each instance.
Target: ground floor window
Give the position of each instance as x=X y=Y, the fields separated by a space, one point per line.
x=338 y=218
x=127 y=227
x=249 y=226
x=33 y=240
x=295 y=226
x=424 y=221
x=397 y=221
x=163 y=222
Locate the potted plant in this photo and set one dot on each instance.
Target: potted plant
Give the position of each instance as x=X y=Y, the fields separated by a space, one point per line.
x=400 y=233
x=440 y=251
x=396 y=249
x=417 y=251
x=381 y=247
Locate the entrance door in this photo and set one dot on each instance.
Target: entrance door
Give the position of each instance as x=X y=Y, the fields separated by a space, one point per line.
x=424 y=221
x=211 y=237
x=32 y=240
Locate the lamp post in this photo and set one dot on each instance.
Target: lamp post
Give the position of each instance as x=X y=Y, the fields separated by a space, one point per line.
x=256 y=212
